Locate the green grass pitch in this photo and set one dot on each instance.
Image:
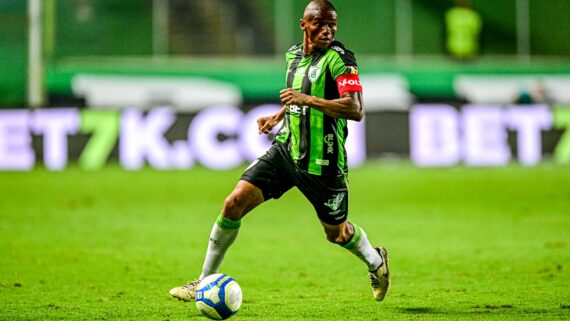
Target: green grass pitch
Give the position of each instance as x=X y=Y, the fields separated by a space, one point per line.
x=465 y=244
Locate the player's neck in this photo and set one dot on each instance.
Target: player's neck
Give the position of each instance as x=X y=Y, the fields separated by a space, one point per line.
x=309 y=47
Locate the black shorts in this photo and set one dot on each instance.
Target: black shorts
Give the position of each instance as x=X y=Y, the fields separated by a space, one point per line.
x=275 y=173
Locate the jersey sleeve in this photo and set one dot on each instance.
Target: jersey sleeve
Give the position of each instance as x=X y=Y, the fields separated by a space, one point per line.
x=345 y=70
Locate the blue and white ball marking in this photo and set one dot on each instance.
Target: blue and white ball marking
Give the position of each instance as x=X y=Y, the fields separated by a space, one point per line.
x=218 y=296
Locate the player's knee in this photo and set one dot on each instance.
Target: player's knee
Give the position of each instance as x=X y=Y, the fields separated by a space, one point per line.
x=335 y=237
x=340 y=235
x=233 y=209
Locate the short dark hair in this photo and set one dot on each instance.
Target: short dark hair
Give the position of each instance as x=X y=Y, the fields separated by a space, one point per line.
x=328 y=5
x=323 y=4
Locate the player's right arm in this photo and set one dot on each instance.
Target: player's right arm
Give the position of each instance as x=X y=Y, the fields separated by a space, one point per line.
x=348 y=106
x=267 y=123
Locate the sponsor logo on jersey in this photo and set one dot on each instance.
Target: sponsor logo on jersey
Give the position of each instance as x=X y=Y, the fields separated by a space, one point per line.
x=329 y=140
x=353 y=70
x=335 y=202
x=314 y=73
x=294 y=109
x=338 y=49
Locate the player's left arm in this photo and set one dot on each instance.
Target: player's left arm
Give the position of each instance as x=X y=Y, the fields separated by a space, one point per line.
x=267 y=123
x=348 y=106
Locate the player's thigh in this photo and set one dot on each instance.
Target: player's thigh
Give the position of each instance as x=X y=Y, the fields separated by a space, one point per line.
x=328 y=195
x=272 y=173
x=267 y=177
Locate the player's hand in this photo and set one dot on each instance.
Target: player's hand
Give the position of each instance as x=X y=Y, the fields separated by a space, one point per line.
x=290 y=96
x=266 y=124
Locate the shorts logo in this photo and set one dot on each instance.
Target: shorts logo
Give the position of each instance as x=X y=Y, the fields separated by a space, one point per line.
x=335 y=202
x=314 y=73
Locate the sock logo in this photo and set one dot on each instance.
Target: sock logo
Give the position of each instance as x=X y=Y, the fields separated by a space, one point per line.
x=213 y=240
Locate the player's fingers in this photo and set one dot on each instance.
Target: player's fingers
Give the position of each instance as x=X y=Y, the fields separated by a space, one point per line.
x=262 y=125
x=286 y=98
x=266 y=128
x=286 y=92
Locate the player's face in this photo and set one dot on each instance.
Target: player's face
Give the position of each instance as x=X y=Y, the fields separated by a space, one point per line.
x=319 y=27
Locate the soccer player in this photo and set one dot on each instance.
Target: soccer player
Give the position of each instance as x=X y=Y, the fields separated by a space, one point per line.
x=323 y=92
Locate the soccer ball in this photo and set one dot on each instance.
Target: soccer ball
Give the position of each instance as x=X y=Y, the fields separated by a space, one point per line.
x=218 y=296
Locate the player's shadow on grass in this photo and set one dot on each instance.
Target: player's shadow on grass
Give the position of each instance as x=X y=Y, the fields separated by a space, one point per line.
x=486 y=309
x=419 y=310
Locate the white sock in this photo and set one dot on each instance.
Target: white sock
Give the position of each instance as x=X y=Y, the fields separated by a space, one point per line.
x=222 y=236
x=361 y=247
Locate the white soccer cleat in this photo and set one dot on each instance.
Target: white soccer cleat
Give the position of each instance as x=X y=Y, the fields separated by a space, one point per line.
x=380 y=279
x=185 y=292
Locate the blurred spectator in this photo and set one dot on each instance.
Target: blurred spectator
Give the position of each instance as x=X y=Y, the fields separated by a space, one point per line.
x=463 y=26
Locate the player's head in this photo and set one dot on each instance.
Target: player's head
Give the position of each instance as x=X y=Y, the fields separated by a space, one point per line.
x=319 y=23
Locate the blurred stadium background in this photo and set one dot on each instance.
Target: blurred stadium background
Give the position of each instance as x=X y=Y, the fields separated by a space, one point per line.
x=109 y=85
x=190 y=55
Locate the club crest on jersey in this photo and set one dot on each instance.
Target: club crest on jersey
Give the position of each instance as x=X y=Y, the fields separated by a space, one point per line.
x=314 y=73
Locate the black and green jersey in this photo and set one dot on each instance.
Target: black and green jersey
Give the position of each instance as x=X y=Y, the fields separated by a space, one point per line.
x=316 y=141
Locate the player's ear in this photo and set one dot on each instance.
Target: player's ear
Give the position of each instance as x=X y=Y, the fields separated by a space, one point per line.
x=302 y=24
